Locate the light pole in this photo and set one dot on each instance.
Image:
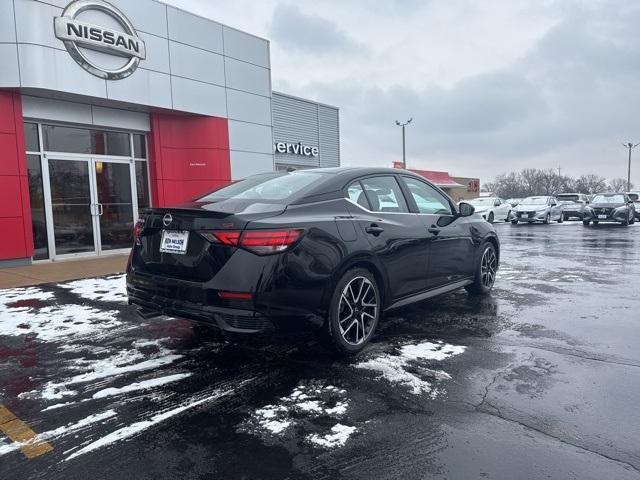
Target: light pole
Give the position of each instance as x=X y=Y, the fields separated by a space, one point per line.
x=630 y=146
x=404 y=150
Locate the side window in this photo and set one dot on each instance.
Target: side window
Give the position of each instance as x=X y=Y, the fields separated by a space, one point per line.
x=427 y=198
x=356 y=194
x=384 y=195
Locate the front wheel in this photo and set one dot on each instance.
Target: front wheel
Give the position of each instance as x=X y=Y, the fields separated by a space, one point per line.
x=514 y=222
x=485 y=275
x=490 y=217
x=586 y=223
x=560 y=218
x=547 y=219
x=353 y=312
x=506 y=219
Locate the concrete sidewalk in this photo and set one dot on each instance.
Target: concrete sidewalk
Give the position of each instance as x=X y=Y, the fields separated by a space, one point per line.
x=61 y=271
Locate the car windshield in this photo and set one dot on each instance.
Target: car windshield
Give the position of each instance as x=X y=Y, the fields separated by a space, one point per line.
x=568 y=198
x=634 y=197
x=612 y=198
x=268 y=187
x=482 y=201
x=535 y=201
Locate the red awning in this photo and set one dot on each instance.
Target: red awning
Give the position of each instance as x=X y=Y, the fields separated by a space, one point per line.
x=439 y=179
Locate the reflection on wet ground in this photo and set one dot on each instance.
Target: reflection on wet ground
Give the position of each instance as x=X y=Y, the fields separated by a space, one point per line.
x=538 y=379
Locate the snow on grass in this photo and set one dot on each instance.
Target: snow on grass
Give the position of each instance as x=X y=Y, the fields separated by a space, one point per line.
x=106 y=289
x=143 y=385
x=299 y=412
x=407 y=367
x=337 y=438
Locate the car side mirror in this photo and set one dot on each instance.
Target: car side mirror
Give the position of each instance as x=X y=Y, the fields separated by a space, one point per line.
x=466 y=209
x=496 y=203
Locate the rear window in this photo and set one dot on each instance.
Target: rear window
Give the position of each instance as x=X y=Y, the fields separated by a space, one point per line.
x=273 y=187
x=614 y=198
x=571 y=198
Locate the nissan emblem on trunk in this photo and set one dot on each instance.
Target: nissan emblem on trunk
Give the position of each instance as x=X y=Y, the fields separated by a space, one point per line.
x=167 y=219
x=80 y=37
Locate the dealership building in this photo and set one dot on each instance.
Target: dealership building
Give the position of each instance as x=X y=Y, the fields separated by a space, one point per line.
x=110 y=107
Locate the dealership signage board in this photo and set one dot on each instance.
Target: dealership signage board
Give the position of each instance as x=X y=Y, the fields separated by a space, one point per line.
x=79 y=36
x=297 y=149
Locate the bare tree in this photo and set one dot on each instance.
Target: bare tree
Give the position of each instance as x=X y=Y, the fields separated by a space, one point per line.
x=619 y=185
x=532 y=181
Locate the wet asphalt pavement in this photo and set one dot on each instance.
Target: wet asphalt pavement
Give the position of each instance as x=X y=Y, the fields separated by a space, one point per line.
x=539 y=380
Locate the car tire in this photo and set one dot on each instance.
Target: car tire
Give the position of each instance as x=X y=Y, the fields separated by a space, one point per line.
x=560 y=218
x=547 y=219
x=342 y=333
x=506 y=219
x=490 y=217
x=586 y=223
x=595 y=222
x=626 y=222
x=514 y=222
x=485 y=272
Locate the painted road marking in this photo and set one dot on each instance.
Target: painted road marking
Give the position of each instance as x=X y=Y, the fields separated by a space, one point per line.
x=19 y=432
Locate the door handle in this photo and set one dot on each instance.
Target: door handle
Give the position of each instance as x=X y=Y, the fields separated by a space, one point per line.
x=433 y=229
x=374 y=229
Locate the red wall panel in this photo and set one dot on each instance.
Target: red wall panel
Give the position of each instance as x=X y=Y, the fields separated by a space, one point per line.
x=15 y=210
x=189 y=155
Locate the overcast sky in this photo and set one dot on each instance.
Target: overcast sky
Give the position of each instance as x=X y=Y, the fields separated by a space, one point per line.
x=492 y=85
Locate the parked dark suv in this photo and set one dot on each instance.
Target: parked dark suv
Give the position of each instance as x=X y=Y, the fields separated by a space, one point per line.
x=329 y=249
x=610 y=207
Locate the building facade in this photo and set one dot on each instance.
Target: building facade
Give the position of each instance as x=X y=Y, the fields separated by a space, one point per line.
x=109 y=107
x=306 y=134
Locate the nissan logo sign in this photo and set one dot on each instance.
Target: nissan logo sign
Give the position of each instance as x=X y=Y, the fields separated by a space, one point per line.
x=79 y=36
x=167 y=219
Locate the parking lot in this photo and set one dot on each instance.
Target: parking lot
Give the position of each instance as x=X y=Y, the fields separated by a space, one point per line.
x=539 y=380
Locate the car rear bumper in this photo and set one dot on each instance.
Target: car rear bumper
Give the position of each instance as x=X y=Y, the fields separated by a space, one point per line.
x=266 y=312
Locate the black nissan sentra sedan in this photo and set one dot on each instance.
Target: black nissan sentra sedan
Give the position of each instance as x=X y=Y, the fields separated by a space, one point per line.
x=610 y=207
x=326 y=249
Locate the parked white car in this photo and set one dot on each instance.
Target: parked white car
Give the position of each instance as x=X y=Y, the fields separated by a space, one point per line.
x=492 y=209
x=543 y=209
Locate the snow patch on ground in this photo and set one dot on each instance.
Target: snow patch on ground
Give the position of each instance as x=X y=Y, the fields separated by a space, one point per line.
x=137 y=427
x=57 y=322
x=408 y=367
x=307 y=409
x=143 y=385
x=60 y=431
x=337 y=438
x=107 y=289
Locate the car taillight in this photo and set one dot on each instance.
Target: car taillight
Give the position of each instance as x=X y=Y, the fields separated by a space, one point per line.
x=264 y=242
x=261 y=242
x=137 y=230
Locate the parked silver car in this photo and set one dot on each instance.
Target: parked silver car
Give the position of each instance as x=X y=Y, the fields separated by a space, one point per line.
x=572 y=205
x=543 y=209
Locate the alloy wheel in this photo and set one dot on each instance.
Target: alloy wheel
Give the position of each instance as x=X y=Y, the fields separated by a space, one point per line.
x=488 y=267
x=357 y=310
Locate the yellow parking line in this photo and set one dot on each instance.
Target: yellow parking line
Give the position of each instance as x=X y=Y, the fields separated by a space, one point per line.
x=19 y=432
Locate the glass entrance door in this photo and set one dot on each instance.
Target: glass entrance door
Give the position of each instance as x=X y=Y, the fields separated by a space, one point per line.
x=72 y=207
x=92 y=205
x=114 y=200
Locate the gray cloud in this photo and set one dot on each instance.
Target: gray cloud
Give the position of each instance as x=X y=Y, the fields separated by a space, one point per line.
x=312 y=34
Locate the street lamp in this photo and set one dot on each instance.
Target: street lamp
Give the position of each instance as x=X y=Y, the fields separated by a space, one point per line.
x=404 y=151
x=630 y=146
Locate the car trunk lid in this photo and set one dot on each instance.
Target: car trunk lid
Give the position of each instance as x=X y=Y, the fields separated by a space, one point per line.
x=203 y=258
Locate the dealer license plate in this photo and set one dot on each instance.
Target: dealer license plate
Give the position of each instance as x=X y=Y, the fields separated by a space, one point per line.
x=174 y=241
x=602 y=216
